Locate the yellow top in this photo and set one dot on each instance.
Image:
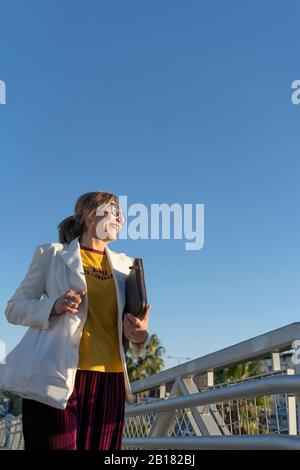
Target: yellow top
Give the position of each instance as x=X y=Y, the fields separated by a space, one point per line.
x=99 y=347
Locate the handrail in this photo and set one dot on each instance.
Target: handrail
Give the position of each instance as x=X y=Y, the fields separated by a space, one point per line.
x=277 y=340
x=267 y=442
x=267 y=386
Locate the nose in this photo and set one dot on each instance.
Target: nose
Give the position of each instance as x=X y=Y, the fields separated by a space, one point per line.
x=120 y=219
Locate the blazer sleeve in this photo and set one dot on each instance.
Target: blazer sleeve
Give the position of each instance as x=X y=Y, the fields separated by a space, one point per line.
x=26 y=307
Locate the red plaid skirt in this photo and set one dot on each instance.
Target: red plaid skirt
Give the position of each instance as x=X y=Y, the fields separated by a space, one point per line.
x=92 y=420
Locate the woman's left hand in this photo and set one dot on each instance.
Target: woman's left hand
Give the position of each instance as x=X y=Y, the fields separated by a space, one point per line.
x=135 y=329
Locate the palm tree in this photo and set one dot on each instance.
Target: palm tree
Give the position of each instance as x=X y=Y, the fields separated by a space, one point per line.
x=150 y=364
x=238 y=372
x=248 y=416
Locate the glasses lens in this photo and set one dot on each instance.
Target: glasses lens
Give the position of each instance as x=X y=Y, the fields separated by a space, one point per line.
x=114 y=210
x=117 y=212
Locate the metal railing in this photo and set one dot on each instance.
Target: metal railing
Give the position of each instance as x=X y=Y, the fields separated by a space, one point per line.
x=182 y=407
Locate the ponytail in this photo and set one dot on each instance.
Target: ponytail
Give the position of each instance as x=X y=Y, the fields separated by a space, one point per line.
x=68 y=229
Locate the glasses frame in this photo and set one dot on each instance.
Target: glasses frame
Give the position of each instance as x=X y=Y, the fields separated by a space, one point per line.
x=116 y=211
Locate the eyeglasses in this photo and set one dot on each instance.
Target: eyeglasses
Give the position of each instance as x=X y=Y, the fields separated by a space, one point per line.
x=116 y=211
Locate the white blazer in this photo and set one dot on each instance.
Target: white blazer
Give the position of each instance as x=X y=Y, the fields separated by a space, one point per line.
x=43 y=365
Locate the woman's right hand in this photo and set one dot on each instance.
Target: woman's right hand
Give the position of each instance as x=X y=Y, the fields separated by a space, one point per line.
x=68 y=303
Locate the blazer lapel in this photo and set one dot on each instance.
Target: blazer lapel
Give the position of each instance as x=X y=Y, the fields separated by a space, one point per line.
x=72 y=258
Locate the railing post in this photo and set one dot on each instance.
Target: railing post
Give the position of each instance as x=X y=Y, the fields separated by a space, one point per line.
x=292 y=409
x=210 y=378
x=291 y=400
x=162 y=391
x=295 y=367
x=276 y=363
x=296 y=370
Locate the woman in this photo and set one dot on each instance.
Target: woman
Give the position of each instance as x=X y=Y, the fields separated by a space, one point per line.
x=70 y=366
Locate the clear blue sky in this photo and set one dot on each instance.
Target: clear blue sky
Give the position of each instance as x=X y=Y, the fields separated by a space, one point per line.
x=164 y=101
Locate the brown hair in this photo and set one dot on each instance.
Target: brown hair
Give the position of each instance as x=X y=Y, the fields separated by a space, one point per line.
x=86 y=205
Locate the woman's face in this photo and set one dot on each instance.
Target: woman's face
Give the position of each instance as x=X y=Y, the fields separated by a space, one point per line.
x=107 y=222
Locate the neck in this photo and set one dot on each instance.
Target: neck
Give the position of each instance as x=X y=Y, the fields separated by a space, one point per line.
x=91 y=242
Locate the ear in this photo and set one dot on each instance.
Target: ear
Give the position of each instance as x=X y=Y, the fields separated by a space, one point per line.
x=89 y=220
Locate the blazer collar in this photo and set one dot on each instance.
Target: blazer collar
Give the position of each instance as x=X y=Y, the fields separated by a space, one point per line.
x=71 y=256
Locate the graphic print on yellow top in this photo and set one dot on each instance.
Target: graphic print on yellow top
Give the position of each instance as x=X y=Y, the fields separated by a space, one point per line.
x=99 y=346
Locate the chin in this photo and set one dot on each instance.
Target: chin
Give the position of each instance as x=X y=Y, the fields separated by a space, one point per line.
x=112 y=235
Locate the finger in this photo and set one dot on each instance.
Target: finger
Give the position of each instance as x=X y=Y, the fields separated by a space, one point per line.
x=138 y=324
x=127 y=324
x=134 y=335
x=126 y=320
x=71 y=292
x=145 y=321
x=70 y=302
x=134 y=320
x=128 y=328
x=80 y=295
x=127 y=333
x=141 y=326
x=74 y=293
x=73 y=298
x=128 y=337
x=70 y=310
x=136 y=338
